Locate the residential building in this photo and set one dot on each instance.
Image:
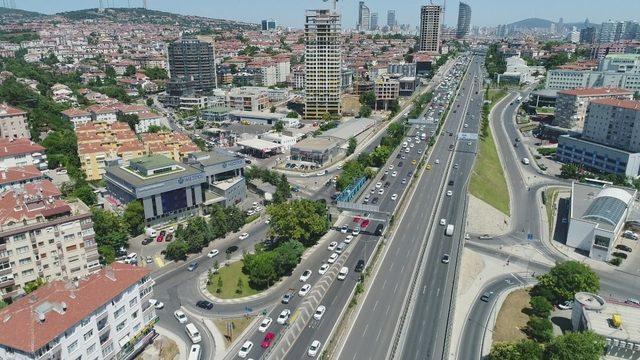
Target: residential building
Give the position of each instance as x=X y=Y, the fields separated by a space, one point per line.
x=374 y=21
x=268 y=25
x=588 y=35
x=364 y=17
x=430 y=27
x=391 y=18
x=464 y=20
x=283 y=69
x=16 y=177
x=571 y=105
x=387 y=89
x=298 y=79
x=43 y=236
x=597 y=217
x=193 y=60
x=104 y=316
x=21 y=152
x=402 y=69
x=147 y=119
x=76 y=116
x=103 y=113
x=174 y=145
x=614 y=70
x=322 y=64
x=13 y=123
x=247 y=98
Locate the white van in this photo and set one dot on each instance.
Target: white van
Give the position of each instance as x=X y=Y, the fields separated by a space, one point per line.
x=343 y=273
x=195 y=352
x=131 y=258
x=525 y=161
x=449 y=230
x=151 y=232
x=193 y=333
x=341 y=247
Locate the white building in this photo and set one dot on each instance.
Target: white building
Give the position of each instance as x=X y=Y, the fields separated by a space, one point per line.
x=615 y=70
x=21 y=152
x=76 y=116
x=283 y=69
x=519 y=72
x=286 y=141
x=104 y=316
x=148 y=119
x=248 y=98
x=13 y=123
x=597 y=217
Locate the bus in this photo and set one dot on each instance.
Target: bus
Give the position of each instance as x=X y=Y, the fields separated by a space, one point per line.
x=193 y=333
x=194 y=353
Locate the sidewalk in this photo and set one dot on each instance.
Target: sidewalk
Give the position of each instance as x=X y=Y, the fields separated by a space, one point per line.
x=483 y=218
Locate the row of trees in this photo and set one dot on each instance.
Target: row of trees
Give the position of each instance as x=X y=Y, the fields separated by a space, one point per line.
x=294 y=225
x=112 y=231
x=494 y=61
x=573 y=345
x=198 y=233
x=419 y=104
x=280 y=181
x=575 y=171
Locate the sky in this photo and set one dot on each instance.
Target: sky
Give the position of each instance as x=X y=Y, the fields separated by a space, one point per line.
x=291 y=12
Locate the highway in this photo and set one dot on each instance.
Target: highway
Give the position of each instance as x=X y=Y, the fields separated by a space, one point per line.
x=373 y=331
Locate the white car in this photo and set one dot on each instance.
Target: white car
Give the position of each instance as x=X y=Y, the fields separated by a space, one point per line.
x=265 y=324
x=245 y=349
x=394 y=174
x=156 y=304
x=356 y=231
x=466 y=126
x=443 y=222
x=213 y=253
x=344 y=229
x=313 y=349
x=332 y=246
x=390 y=167
x=437 y=161
x=394 y=197
x=319 y=312
x=243 y=236
x=343 y=273
x=378 y=185
x=381 y=191
x=449 y=192
x=305 y=275
x=180 y=316
x=323 y=269
x=333 y=258
x=304 y=290
x=284 y=316
x=349 y=238
x=407 y=150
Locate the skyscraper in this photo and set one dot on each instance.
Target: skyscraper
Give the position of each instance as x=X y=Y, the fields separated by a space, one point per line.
x=363 y=17
x=268 y=25
x=391 y=18
x=464 y=20
x=322 y=63
x=430 y=23
x=588 y=35
x=374 y=21
x=193 y=60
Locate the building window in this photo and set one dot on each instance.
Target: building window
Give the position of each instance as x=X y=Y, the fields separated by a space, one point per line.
x=72 y=347
x=602 y=241
x=118 y=312
x=134 y=315
x=19 y=237
x=25 y=261
x=120 y=326
x=88 y=335
x=91 y=348
x=133 y=301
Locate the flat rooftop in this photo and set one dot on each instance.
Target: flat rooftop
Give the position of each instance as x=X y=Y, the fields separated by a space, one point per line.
x=136 y=180
x=209 y=158
x=600 y=322
x=349 y=128
x=603 y=205
x=316 y=144
x=259 y=144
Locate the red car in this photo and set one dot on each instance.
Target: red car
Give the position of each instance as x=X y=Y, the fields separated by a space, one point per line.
x=364 y=224
x=267 y=340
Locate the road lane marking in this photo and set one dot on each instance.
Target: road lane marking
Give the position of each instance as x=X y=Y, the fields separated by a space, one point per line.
x=375 y=305
x=384 y=283
x=294 y=316
x=379 y=332
x=159 y=260
x=365 y=329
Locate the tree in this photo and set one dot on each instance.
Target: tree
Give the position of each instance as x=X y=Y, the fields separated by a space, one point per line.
x=177 y=250
x=156 y=73
x=278 y=126
x=540 y=306
x=301 y=220
x=292 y=115
x=283 y=190
x=197 y=234
x=51 y=59
x=110 y=233
x=272 y=109
x=157 y=128
x=107 y=254
x=149 y=102
x=525 y=349
x=365 y=111
x=3 y=304
x=129 y=70
x=236 y=218
x=540 y=329
x=260 y=269
x=576 y=345
x=133 y=218
x=569 y=171
x=218 y=221
x=379 y=156
x=85 y=193
x=565 y=280
x=368 y=98
x=288 y=256
x=351 y=148
x=110 y=72
x=32 y=286
x=131 y=119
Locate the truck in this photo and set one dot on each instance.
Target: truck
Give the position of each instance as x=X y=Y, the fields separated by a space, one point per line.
x=449 y=230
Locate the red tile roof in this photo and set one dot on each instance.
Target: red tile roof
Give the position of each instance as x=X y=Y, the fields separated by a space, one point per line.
x=626 y=104
x=74 y=112
x=12 y=147
x=35 y=199
x=20 y=326
x=14 y=174
x=596 y=92
x=10 y=111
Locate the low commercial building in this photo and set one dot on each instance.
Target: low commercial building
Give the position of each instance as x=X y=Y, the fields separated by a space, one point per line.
x=260 y=148
x=318 y=150
x=284 y=140
x=571 y=105
x=597 y=217
x=408 y=85
x=104 y=316
x=21 y=152
x=597 y=157
x=617 y=323
x=247 y=98
x=518 y=72
x=543 y=98
x=257 y=117
x=13 y=123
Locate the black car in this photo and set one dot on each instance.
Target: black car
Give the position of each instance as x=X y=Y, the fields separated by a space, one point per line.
x=486 y=296
x=204 y=304
x=147 y=241
x=374 y=201
x=387 y=184
x=379 y=229
x=623 y=248
x=450 y=182
x=400 y=164
x=231 y=249
x=359 y=266
x=451 y=147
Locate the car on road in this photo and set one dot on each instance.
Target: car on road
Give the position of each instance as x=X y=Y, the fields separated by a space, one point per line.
x=344 y=229
x=486 y=296
x=404 y=180
x=374 y=201
x=359 y=266
x=266 y=322
x=332 y=245
x=156 y=304
x=387 y=184
x=356 y=231
x=284 y=316
x=466 y=125
x=243 y=236
x=394 y=197
x=323 y=269
x=451 y=147
x=313 y=349
x=192 y=266
x=343 y=273
x=333 y=258
x=624 y=248
x=231 y=249
x=378 y=185
x=319 y=312
x=449 y=193
x=245 y=349
x=450 y=182
x=349 y=238
x=437 y=161
x=445 y=259
x=391 y=167
x=287 y=297
x=305 y=275
x=213 y=253
x=413 y=162
x=632 y=301
x=149 y=260
x=147 y=241
x=205 y=304
x=380 y=191
x=268 y=339
x=180 y=316
x=394 y=174
x=443 y=222
x=485 y=237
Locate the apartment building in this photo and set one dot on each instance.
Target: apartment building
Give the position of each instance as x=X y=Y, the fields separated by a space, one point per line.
x=43 y=236
x=175 y=146
x=13 y=123
x=387 y=89
x=21 y=152
x=614 y=122
x=106 y=315
x=193 y=60
x=16 y=177
x=248 y=98
x=430 y=28
x=103 y=113
x=615 y=70
x=571 y=105
x=323 y=63
x=77 y=116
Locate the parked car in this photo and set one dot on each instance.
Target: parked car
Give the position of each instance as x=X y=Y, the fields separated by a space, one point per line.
x=567 y=305
x=623 y=248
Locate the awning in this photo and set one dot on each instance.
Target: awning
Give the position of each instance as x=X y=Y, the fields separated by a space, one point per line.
x=124 y=341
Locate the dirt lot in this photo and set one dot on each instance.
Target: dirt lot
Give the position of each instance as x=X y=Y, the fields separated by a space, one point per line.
x=239 y=324
x=162 y=348
x=511 y=318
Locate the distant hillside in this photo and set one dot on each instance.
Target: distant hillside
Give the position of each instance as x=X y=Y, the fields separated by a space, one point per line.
x=7 y=14
x=531 y=23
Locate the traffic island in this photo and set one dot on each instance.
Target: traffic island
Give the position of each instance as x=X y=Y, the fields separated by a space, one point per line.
x=230 y=282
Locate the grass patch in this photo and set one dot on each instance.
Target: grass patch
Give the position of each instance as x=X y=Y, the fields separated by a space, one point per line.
x=511 y=318
x=252 y=218
x=487 y=179
x=237 y=324
x=235 y=284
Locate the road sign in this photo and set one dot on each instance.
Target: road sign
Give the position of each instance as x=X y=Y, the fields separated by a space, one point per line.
x=529 y=236
x=467 y=136
x=343 y=205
